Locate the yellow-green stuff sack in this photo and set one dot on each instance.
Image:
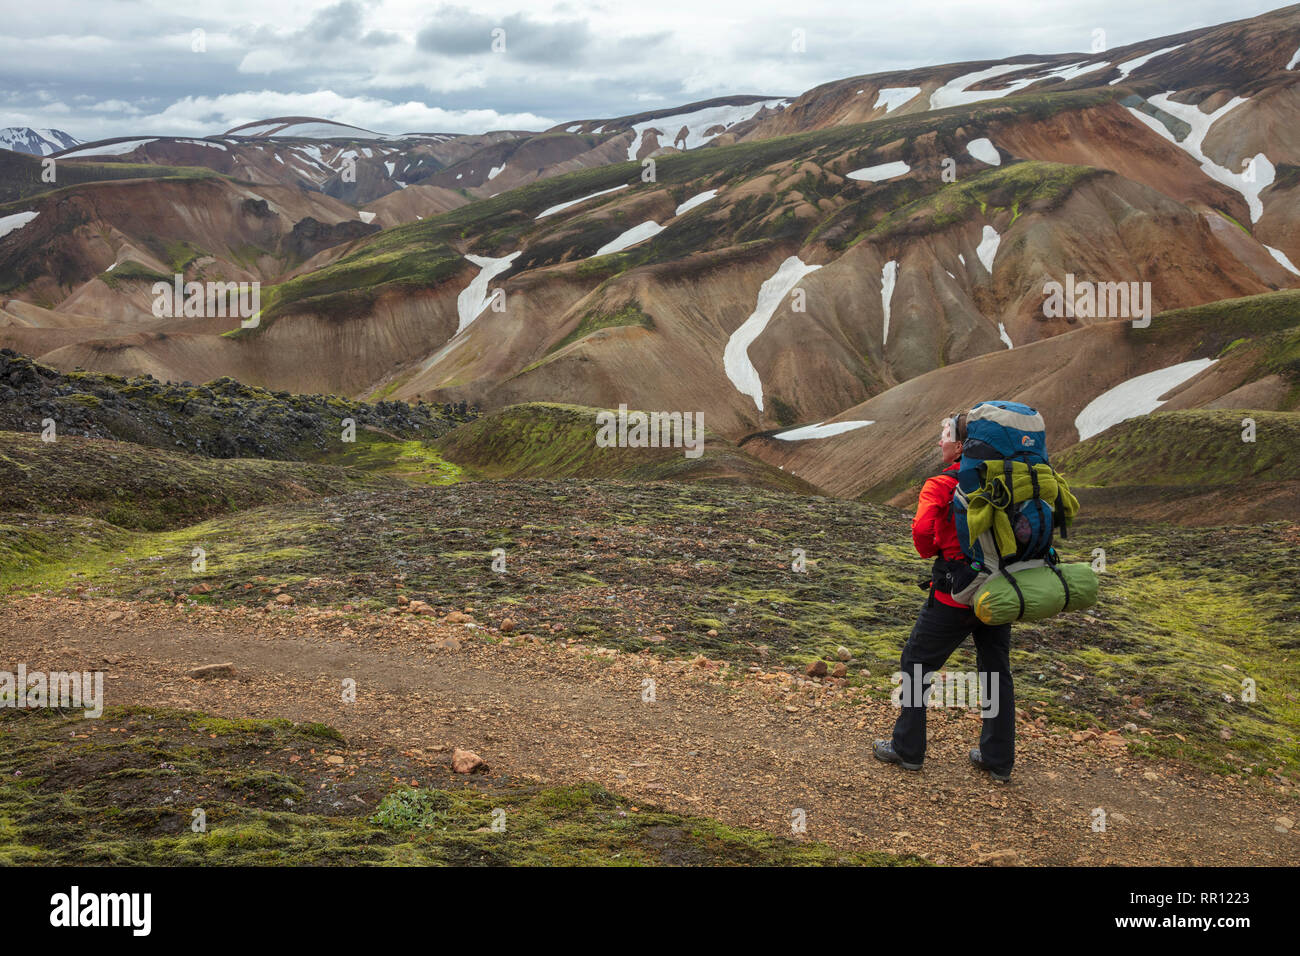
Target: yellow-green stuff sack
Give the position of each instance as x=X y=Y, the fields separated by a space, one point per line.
x=1031 y=593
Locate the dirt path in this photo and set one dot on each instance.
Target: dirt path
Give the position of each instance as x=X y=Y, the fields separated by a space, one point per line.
x=748 y=751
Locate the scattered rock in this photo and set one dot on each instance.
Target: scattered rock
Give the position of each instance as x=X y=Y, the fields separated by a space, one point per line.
x=213 y=671
x=817 y=669
x=284 y=599
x=1283 y=824
x=455 y=617
x=1000 y=858
x=114 y=617
x=841 y=670
x=201 y=588
x=710 y=633
x=843 y=653
x=507 y=625
x=466 y=761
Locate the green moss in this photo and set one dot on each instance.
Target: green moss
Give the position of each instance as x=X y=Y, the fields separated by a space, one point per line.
x=132 y=271
x=1034 y=185
x=121 y=793
x=594 y=320
x=1196 y=448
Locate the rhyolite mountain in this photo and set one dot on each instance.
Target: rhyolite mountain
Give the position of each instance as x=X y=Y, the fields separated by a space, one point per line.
x=862 y=258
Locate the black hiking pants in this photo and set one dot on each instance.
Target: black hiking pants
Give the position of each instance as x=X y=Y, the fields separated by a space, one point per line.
x=938 y=632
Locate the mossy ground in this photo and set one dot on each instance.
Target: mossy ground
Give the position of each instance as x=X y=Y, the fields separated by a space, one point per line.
x=122 y=789
x=1184 y=614
x=1196 y=447
x=553 y=440
x=148 y=489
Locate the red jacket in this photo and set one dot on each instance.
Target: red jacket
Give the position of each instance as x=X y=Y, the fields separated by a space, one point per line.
x=933 y=531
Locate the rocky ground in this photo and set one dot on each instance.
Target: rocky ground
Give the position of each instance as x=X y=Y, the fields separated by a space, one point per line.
x=757 y=750
x=221 y=419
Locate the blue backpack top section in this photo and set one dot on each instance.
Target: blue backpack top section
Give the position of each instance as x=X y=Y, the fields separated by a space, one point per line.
x=1000 y=430
x=1005 y=431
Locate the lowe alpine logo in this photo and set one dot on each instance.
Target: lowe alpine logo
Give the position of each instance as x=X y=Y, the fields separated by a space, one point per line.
x=1026 y=440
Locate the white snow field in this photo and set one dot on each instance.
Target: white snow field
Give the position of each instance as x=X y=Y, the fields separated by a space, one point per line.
x=1295 y=58
x=888 y=276
x=892 y=97
x=696 y=123
x=694 y=201
x=984 y=150
x=366 y=217
x=1283 y=259
x=820 y=430
x=1261 y=169
x=987 y=250
x=1138 y=396
x=646 y=230
x=735 y=357
x=109 y=149
x=324 y=130
x=496 y=171
x=560 y=207
x=19 y=219
x=876 y=174
x=1128 y=66
x=956 y=92
x=1002 y=334
x=1073 y=71
x=474 y=298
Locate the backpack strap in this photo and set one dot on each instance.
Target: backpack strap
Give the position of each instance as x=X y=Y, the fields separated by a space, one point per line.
x=1019 y=593
x=1064 y=584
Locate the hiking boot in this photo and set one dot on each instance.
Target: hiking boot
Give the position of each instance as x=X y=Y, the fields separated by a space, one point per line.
x=978 y=761
x=884 y=750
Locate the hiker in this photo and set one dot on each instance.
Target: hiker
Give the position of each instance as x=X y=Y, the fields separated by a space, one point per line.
x=944 y=623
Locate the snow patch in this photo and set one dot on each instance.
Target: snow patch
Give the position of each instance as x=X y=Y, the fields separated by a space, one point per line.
x=1128 y=66
x=1282 y=259
x=892 y=97
x=496 y=171
x=1002 y=334
x=984 y=150
x=111 y=149
x=391 y=167
x=474 y=298
x=888 y=276
x=1262 y=171
x=1138 y=396
x=735 y=358
x=957 y=93
x=366 y=217
x=1073 y=71
x=694 y=201
x=820 y=430
x=1295 y=58
x=880 y=173
x=647 y=230
x=987 y=250
x=573 y=202
x=19 y=219
x=696 y=124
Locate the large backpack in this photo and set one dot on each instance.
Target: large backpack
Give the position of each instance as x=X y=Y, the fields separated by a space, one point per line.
x=1007 y=506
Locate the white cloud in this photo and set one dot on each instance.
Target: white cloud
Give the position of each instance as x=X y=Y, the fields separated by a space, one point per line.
x=217 y=114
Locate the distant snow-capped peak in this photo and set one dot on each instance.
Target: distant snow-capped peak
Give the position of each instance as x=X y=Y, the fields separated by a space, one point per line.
x=36 y=142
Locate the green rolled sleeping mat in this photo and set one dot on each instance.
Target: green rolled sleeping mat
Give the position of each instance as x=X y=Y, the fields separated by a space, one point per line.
x=1041 y=593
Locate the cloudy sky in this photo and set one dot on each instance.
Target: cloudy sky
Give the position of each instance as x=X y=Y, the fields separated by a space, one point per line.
x=99 y=68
